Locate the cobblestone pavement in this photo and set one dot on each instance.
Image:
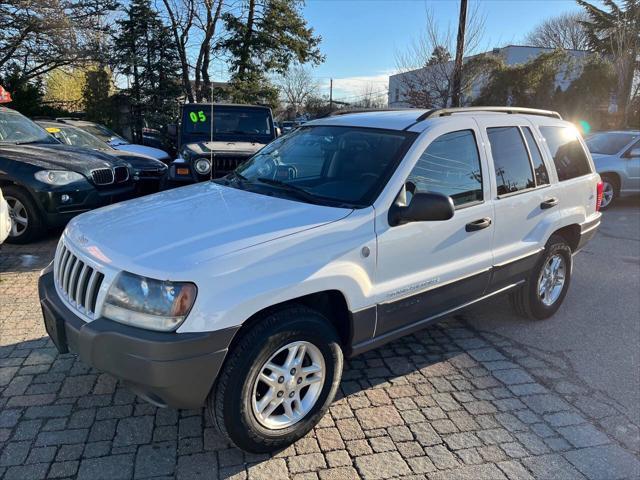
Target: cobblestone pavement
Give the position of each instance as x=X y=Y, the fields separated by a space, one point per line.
x=447 y=403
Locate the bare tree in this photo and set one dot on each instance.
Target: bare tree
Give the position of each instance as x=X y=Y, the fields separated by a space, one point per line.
x=370 y=97
x=565 y=31
x=193 y=25
x=296 y=87
x=426 y=68
x=37 y=37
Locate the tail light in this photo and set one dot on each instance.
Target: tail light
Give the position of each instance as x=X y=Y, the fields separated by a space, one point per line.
x=599 y=190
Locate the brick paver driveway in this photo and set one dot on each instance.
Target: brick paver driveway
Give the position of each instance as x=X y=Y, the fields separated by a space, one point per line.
x=446 y=403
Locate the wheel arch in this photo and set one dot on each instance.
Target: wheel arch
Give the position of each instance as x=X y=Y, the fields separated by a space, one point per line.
x=330 y=303
x=571 y=234
x=616 y=177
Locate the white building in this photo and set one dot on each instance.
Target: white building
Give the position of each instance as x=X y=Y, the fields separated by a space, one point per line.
x=511 y=54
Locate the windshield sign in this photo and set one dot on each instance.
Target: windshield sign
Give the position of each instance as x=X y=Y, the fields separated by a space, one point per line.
x=234 y=124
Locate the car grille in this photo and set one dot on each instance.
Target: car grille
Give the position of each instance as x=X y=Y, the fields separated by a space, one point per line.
x=121 y=174
x=77 y=281
x=222 y=165
x=151 y=173
x=102 y=176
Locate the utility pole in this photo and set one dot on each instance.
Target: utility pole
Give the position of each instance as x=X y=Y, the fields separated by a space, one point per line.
x=331 y=95
x=457 y=67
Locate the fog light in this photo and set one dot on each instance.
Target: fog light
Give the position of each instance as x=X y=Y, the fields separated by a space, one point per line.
x=65 y=198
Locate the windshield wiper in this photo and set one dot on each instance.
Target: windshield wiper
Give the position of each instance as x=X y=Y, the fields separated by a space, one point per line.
x=300 y=192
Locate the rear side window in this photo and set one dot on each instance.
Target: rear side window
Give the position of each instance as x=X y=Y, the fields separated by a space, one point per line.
x=450 y=165
x=510 y=160
x=542 y=177
x=568 y=155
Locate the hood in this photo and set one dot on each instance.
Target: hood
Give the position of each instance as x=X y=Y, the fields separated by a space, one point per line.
x=142 y=150
x=205 y=148
x=60 y=156
x=139 y=162
x=177 y=230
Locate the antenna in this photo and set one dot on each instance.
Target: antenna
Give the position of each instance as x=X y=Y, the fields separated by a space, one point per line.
x=211 y=155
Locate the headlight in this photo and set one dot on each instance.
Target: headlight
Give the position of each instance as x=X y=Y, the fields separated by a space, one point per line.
x=58 y=177
x=148 y=303
x=203 y=166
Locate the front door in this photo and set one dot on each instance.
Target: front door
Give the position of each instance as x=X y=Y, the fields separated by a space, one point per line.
x=427 y=268
x=632 y=167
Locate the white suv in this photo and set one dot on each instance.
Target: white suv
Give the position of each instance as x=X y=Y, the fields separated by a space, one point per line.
x=245 y=293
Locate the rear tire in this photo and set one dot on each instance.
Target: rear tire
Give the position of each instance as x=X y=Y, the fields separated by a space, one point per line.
x=547 y=284
x=610 y=191
x=261 y=409
x=27 y=224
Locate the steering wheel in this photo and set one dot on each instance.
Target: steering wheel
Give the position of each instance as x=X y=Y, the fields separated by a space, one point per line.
x=268 y=169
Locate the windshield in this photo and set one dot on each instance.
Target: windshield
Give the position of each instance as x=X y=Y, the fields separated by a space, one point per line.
x=18 y=129
x=338 y=164
x=228 y=124
x=609 y=143
x=77 y=137
x=103 y=133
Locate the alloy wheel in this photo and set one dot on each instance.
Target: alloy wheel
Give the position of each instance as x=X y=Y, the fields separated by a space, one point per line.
x=288 y=385
x=19 y=216
x=551 y=280
x=607 y=194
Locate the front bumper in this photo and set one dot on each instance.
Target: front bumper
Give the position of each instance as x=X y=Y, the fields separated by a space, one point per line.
x=166 y=369
x=57 y=213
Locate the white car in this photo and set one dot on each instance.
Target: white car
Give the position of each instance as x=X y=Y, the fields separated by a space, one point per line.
x=244 y=294
x=5 y=219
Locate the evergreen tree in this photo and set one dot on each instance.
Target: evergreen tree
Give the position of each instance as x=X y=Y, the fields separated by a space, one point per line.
x=263 y=38
x=615 y=32
x=145 y=52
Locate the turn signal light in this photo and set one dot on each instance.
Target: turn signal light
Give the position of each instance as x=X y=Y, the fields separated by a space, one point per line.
x=182 y=171
x=599 y=190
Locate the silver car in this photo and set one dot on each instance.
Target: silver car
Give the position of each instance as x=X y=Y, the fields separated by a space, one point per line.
x=617 y=158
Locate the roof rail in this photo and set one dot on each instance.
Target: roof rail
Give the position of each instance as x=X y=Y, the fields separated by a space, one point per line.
x=364 y=110
x=443 y=112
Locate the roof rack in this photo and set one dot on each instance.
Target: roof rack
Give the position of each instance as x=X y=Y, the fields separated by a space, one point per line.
x=364 y=110
x=443 y=112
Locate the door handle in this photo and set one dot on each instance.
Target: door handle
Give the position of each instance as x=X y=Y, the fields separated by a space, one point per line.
x=551 y=202
x=478 y=224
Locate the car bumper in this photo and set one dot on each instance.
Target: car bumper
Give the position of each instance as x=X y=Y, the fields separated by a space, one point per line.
x=57 y=213
x=166 y=369
x=587 y=231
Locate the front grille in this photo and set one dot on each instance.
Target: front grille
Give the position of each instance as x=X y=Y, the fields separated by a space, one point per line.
x=151 y=173
x=222 y=165
x=102 y=176
x=121 y=174
x=78 y=282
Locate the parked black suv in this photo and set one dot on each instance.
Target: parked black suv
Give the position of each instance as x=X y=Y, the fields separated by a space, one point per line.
x=148 y=172
x=238 y=131
x=46 y=183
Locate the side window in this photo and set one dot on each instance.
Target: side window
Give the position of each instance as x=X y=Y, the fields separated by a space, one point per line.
x=450 y=165
x=542 y=177
x=568 y=155
x=510 y=159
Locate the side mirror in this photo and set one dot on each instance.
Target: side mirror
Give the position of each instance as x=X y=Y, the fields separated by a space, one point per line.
x=634 y=153
x=172 y=130
x=424 y=207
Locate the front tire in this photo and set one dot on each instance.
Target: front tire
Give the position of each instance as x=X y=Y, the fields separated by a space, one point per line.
x=26 y=221
x=547 y=284
x=278 y=381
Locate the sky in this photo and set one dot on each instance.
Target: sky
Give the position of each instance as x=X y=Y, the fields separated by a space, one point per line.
x=362 y=38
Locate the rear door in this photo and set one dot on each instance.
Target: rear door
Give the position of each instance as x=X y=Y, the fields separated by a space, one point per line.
x=632 y=167
x=523 y=196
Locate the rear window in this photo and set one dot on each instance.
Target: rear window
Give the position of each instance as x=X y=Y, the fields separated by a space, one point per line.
x=510 y=159
x=568 y=155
